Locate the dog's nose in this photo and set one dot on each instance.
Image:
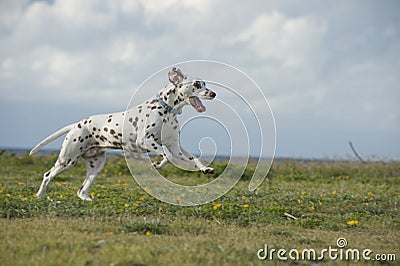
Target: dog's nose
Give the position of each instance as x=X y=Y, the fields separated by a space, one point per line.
x=212 y=94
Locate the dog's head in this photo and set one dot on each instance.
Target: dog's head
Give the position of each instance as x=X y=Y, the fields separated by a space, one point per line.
x=191 y=89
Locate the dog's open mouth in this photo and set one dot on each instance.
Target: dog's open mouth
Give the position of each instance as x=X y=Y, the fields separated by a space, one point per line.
x=197 y=104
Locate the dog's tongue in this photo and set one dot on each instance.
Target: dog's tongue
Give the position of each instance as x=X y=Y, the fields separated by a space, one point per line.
x=197 y=104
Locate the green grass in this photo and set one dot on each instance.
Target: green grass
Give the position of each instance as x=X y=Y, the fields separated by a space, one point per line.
x=123 y=225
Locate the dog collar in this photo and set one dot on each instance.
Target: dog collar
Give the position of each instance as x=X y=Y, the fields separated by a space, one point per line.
x=168 y=107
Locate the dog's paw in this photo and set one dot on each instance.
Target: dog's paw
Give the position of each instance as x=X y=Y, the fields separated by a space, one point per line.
x=208 y=170
x=157 y=165
x=84 y=197
x=160 y=164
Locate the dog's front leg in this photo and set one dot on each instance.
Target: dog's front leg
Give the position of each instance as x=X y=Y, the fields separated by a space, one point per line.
x=178 y=153
x=199 y=164
x=149 y=144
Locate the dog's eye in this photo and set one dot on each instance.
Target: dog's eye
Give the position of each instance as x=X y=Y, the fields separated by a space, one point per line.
x=197 y=84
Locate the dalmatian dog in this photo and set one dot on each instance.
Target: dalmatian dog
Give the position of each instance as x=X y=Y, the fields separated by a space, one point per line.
x=151 y=127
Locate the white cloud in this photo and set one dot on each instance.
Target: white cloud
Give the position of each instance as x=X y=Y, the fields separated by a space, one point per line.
x=292 y=41
x=337 y=64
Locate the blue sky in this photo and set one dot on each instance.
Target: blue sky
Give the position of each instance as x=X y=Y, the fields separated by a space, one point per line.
x=329 y=69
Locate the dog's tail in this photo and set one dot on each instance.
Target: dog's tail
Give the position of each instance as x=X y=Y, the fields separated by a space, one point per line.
x=51 y=138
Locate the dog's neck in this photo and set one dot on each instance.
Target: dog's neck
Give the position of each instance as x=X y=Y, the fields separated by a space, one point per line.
x=173 y=98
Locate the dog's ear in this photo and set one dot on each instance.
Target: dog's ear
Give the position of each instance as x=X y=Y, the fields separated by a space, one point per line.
x=175 y=75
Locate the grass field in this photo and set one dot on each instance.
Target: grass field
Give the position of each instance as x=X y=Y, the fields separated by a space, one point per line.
x=301 y=206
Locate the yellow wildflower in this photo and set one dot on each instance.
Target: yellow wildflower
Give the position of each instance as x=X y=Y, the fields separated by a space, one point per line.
x=160 y=208
x=1 y=191
x=141 y=198
x=245 y=206
x=92 y=195
x=148 y=233
x=311 y=208
x=126 y=205
x=217 y=206
x=300 y=201
x=109 y=233
x=370 y=194
x=8 y=195
x=58 y=184
x=21 y=184
x=24 y=199
x=352 y=223
x=303 y=193
x=346 y=177
x=334 y=192
x=243 y=197
x=135 y=205
x=125 y=185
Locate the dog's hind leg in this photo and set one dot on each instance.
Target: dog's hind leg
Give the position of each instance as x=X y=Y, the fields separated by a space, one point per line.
x=53 y=172
x=94 y=165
